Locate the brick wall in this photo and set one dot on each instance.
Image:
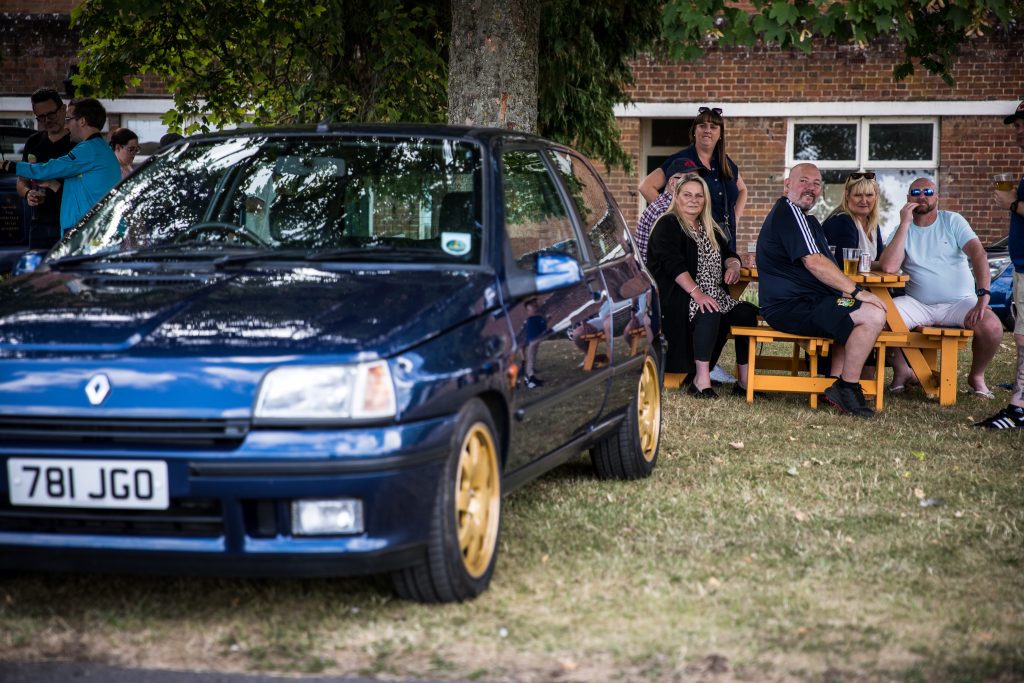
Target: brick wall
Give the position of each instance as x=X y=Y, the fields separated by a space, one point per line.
x=971 y=148
x=37 y=49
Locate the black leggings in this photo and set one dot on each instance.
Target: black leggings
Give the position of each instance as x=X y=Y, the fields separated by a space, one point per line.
x=710 y=331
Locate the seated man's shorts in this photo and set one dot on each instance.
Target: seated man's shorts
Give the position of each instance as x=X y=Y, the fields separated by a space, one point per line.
x=916 y=314
x=815 y=316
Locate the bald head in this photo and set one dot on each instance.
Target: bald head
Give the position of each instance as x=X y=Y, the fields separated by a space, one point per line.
x=803 y=186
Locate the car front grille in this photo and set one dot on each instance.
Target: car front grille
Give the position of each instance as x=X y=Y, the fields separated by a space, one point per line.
x=214 y=433
x=191 y=518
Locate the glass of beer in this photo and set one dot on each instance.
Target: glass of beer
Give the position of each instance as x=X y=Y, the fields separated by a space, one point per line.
x=851 y=260
x=1004 y=181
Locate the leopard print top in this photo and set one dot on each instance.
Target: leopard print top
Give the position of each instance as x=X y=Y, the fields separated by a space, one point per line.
x=709 y=275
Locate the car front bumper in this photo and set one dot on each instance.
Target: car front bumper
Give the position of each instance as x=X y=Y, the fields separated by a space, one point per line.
x=230 y=512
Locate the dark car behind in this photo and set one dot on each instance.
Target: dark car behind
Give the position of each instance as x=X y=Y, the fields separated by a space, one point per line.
x=1002 y=281
x=14 y=214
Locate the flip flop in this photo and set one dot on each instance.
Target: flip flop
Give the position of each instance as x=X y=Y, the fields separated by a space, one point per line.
x=900 y=388
x=980 y=393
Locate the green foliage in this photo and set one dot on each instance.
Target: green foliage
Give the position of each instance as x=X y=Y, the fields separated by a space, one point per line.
x=284 y=61
x=930 y=32
x=584 y=71
x=271 y=62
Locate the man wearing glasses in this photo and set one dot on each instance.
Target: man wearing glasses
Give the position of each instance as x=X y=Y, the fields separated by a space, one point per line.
x=88 y=171
x=51 y=141
x=949 y=280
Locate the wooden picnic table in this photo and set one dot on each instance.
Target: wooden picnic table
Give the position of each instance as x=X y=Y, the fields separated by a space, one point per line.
x=931 y=351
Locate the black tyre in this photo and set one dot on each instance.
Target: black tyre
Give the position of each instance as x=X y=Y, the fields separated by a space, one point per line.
x=631 y=451
x=463 y=545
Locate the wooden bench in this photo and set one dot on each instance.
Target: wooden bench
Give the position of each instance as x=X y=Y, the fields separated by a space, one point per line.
x=940 y=347
x=593 y=339
x=804 y=375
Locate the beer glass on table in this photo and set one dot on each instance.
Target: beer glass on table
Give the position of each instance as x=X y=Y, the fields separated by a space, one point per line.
x=851 y=260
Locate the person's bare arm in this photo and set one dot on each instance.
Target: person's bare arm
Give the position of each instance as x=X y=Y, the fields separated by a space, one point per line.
x=650 y=187
x=741 y=200
x=982 y=278
x=826 y=271
x=892 y=256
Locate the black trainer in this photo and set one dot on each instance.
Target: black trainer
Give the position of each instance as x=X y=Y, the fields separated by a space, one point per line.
x=848 y=398
x=1010 y=417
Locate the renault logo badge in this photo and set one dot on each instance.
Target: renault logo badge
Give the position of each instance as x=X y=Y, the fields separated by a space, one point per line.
x=97 y=389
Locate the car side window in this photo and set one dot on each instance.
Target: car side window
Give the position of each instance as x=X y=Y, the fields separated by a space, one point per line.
x=601 y=222
x=536 y=220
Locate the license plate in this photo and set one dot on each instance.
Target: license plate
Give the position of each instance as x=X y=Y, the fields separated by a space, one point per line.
x=123 y=484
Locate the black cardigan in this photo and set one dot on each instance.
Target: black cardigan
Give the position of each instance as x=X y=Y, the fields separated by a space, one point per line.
x=670 y=251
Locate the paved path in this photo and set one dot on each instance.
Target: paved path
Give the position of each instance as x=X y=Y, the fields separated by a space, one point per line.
x=78 y=672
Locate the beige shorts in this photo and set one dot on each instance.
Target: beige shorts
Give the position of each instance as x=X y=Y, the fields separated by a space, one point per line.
x=917 y=314
x=1018 y=301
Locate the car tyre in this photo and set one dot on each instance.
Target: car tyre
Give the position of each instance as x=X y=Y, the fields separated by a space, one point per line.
x=631 y=451
x=463 y=546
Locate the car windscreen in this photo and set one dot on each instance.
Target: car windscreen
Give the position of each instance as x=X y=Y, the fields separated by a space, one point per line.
x=326 y=198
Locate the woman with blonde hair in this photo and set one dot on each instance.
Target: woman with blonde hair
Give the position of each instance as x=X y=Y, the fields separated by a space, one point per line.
x=854 y=223
x=690 y=257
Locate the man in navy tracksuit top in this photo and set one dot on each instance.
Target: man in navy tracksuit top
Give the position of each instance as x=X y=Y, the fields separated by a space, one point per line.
x=802 y=290
x=1012 y=416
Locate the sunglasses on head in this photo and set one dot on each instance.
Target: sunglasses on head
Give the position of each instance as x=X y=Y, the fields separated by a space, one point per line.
x=917 y=192
x=713 y=110
x=869 y=175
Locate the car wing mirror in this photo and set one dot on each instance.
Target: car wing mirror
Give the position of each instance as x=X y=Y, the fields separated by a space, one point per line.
x=28 y=262
x=554 y=270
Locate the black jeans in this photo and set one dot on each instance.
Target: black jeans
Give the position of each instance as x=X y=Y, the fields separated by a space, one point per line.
x=710 y=331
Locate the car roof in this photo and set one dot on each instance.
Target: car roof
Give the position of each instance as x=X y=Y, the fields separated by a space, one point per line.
x=480 y=133
x=16 y=131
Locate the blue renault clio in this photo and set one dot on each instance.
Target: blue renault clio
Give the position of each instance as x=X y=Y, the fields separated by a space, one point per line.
x=322 y=352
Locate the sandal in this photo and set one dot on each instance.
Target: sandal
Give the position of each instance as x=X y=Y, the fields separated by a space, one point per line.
x=980 y=393
x=901 y=388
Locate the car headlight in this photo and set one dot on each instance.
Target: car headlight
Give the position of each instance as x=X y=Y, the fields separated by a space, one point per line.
x=996 y=266
x=330 y=392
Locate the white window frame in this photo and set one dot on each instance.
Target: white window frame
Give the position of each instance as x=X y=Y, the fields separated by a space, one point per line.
x=863 y=124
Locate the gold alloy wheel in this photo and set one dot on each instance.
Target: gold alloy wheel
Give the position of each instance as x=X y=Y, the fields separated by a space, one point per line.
x=648 y=409
x=477 y=500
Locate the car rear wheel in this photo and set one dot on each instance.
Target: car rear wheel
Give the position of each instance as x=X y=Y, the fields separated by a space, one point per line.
x=631 y=451
x=463 y=545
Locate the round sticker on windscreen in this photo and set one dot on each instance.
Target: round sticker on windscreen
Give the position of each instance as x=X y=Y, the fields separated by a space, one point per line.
x=456 y=243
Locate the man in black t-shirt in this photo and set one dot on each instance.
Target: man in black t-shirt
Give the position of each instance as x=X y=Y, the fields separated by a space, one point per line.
x=803 y=291
x=51 y=142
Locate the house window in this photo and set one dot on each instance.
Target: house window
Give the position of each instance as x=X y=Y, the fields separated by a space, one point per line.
x=897 y=150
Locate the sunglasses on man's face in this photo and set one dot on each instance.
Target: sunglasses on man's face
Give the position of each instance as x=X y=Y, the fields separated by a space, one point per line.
x=857 y=176
x=917 y=192
x=713 y=110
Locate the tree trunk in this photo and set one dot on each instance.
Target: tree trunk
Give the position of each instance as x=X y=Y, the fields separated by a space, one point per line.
x=492 y=72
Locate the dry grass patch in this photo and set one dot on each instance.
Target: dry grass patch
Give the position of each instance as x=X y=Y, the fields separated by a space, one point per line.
x=805 y=555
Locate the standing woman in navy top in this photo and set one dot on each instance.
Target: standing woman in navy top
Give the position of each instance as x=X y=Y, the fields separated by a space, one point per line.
x=854 y=223
x=706 y=155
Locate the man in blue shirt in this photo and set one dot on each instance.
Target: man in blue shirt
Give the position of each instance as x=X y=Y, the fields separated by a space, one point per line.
x=803 y=291
x=1012 y=416
x=88 y=171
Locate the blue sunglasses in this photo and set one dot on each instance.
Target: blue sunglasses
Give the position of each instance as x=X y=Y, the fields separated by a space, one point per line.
x=917 y=192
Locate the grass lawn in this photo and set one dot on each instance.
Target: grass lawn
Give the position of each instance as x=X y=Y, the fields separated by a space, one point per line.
x=772 y=543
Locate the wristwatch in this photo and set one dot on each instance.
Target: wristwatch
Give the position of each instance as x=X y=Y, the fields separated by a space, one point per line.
x=853 y=292
x=980 y=292
x=1013 y=206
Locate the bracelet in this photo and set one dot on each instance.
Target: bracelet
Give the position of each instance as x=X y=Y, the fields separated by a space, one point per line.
x=695 y=288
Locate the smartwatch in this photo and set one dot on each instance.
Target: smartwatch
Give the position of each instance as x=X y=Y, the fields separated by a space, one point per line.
x=853 y=292
x=982 y=292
